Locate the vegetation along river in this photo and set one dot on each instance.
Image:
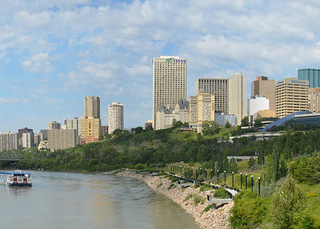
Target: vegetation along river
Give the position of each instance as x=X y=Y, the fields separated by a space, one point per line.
x=70 y=200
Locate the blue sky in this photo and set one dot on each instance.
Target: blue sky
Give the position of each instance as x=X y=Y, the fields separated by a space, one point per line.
x=54 y=53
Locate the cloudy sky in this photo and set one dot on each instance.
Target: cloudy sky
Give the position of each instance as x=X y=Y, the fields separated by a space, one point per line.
x=54 y=53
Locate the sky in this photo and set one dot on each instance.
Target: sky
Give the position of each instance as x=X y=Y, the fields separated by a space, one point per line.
x=54 y=53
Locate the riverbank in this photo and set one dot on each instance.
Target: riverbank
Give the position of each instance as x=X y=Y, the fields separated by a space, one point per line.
x=186 y=198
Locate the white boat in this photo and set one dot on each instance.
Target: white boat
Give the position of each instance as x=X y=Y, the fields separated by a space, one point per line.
x=18 y=178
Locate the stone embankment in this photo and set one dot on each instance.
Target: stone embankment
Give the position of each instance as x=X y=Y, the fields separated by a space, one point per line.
x=187 y=199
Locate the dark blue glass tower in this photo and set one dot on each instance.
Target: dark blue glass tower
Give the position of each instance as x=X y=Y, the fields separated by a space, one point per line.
x=313 y=75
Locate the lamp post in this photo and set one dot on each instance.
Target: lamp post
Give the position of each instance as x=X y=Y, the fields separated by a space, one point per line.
x=232 y=179
x=211 y=174
x=206 y=173
x=240 y=180
x=218 y=176
x=225 y=177
x=246 y=180
x=251 y=183
x=259 y=186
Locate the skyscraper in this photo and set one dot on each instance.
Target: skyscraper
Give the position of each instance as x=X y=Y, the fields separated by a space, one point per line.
x=291 y=96
x=237 y=96
x=91 y=122
x=169 y=82
x=92 y=107
x=115 y=117
x=265 y=87
x=54 y=125
x=219 y=88
x=312 y=75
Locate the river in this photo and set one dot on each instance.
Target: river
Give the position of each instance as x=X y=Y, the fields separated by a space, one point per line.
x=70 y=200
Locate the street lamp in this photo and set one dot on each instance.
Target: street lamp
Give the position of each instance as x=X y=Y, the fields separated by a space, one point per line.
x=240 y=180
x=232 y=179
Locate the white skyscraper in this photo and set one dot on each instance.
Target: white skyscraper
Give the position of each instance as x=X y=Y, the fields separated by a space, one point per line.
x=237 y=96
x=169 y=83
x=115 y=117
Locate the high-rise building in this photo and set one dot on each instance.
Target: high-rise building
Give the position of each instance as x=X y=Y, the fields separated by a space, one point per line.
x=92 y=107
x=237 y=96
x=169 y=82
x=27 y=140
x=115 y=117
x=314 y=100
x=8 y=141
x=291 y=96
x=201 y=109
x=62 y=139
x=20 y=135
x=104 y=131
x=265 y=87
x=91 y=122
x=257 y=103
x=219 y=88
x=73 y=124
x=312 y=75
x=54 y=125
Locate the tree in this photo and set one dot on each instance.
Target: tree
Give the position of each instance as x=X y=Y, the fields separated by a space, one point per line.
x=257 y=123
x=248 y=210
x=210 y=128
x=288 y=202
x=137 y=130
x=251 y=162
x=228 y=125
x=245 y=121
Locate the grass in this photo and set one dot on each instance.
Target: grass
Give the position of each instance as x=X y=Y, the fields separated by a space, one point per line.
x=188 y=197
x=198 y=199
x=159 y=185
x=171 y=186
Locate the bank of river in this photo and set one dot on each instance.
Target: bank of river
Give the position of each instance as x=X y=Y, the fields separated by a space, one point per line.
x=93 y=201
x=213 y=218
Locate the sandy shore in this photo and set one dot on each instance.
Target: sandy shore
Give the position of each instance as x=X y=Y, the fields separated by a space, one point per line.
x=213 y=218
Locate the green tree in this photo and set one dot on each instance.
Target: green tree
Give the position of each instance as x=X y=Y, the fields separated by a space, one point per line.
x=287 y=203
x=137 y=130
x=210 y=128
x=245 y=121
x=248 y=210
x=257 y=123
x=251 y=162
x=228 y=125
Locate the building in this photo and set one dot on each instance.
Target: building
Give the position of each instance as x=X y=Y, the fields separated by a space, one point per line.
x=92 y=107
x=27 y=140
x=73 y=124
x=314 y=99
x=62 y=139
x=166 y=117
x=91 y=122
x=20 y=134
x=222 y=119
x=219 y=88
x=115 y=117
x=312 y=75
x=169 y=83
x=43 y=134
x=291 y=96
x=54 y=125
x=8 y=141
x=265 y=87
x=104 y=131
x=148 y=124
x=237 y=96
x=201 y=109
x=264 y=114
x=255 y=104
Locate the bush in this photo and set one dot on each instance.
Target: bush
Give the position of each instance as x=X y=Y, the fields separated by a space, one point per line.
x=159 y=185
x=197 y=199
x=171 y=186
x=208 y=208
x=205 y=187
x=188 y=197
x=248 y=210
x=197 y=185
x=221 y=193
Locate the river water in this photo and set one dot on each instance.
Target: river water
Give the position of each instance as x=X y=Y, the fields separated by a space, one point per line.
x=69 y=200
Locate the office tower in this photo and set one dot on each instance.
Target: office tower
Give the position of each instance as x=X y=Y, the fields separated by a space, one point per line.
x=219 y=88
x=314 y=99
x=291 y=96
x=166 y=117
x=8 y=141
x=237 y=96
x=257 y=103
x=169 y=83
x=92 y=107
x=115 y=117
x=27 y=140
x=265 y=87
x=201 y=109
x=73 y=124
x=20 y=134
x=91 y=122
x=62 y=139
x=54 y=125
x=312 y=75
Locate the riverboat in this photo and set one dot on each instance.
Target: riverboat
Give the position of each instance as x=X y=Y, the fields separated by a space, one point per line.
x=19 y=178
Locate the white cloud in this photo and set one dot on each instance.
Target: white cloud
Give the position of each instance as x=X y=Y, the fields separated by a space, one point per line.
x=40 y=62
x=12 y=100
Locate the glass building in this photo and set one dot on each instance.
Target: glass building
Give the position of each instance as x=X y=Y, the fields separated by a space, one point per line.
x=313 y=75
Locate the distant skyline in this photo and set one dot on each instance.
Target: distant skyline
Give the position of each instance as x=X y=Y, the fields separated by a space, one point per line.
x=55 y=53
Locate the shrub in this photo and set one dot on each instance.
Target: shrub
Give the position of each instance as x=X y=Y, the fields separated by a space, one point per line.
x=248 y=210
x=159 y=185
x=221 y=193
x=208 y=208
x=188 y=197
x=171 y=186
x=197 y=185
x=205 y=187
x=197 y=199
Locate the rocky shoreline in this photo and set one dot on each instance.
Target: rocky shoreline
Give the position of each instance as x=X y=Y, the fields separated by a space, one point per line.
x=185 y=197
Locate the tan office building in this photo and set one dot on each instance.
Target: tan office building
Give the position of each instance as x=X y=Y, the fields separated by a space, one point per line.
x=115 y=117
x=201 y=109
x=314 y=99
x=237 y=96
x=169 y=83
x=54 y=125
x=291 y=96
x=92 y=107
x=265 y=87
x=62 y=139
x=219 y=88
x=91 y=122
